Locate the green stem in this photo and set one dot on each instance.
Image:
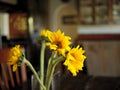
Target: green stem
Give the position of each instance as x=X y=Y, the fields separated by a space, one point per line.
x=51 y=71
x=42 y=62
x=34 y=72
x=49 y=66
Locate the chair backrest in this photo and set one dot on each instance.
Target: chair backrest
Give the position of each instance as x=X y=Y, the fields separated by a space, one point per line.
x=10 y=79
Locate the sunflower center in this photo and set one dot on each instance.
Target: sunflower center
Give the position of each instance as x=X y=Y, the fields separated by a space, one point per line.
x=58 y=44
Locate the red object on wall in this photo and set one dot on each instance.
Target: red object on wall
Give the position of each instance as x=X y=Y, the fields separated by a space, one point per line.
x=18 y=25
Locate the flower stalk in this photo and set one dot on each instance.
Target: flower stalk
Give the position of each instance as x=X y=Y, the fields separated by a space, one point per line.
x=51 y=69
x=34 y=72
x=42 y=53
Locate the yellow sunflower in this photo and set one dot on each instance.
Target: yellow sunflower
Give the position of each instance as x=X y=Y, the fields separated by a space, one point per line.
x=13 y=57
x=59 y=42
x=44 y=33
x=74 y=60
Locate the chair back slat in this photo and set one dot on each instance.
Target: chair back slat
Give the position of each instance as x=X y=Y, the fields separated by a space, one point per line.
x=17 y=77
x=1 y=84
x=4 y=74
x=23 y=73
x=11 y=76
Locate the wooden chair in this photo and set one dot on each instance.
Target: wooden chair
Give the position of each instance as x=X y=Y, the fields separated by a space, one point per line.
x=10 y=79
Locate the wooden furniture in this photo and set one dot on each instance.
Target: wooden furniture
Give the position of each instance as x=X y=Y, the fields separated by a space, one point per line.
x=9 y=79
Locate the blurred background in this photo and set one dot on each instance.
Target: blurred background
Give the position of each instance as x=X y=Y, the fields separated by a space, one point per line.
x=94 y=24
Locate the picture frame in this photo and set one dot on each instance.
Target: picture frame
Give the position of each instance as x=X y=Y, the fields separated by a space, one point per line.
x=70 y=19
x=18 y=25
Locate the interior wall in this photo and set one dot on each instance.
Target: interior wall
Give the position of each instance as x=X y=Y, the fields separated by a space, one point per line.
x=57 y=11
